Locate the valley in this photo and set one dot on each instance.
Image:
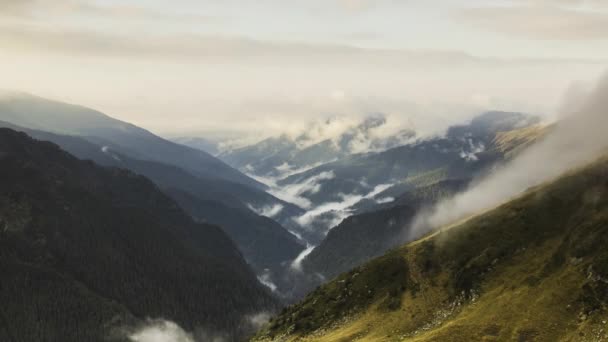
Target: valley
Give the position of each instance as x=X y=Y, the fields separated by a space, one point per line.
x=303 y=171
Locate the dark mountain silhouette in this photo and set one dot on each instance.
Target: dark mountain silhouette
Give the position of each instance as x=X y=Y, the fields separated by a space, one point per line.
x=86 y=251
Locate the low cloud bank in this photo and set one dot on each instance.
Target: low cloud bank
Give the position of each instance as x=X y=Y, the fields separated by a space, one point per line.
x=578 y=138
x=293 y=193
x=339 y=210
x=268 y=211
x=161 y=331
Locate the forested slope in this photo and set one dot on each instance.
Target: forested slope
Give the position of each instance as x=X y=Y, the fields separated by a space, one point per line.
x=86 y=251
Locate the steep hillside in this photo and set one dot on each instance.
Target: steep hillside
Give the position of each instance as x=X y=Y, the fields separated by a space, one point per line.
x=534 y=269
x=264 y=243
x=362 y=237
x=86 y=252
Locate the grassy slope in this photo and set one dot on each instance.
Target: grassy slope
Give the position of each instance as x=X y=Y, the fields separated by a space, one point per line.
x=534 y=269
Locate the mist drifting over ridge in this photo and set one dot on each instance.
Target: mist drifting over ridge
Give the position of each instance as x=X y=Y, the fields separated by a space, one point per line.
x=578 y=138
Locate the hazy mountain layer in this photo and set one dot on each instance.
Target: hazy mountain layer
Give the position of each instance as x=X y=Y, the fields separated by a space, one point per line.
x=199 y=143
x=120 y=138
x=51 y=116
x=534 y=269
x=87 y=252
x=278 y=157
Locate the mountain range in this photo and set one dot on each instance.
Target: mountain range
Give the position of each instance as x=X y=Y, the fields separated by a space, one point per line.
x=126 y=230
x=278 y=157
x=234 y=205
x=333 y=191
x=37 y=113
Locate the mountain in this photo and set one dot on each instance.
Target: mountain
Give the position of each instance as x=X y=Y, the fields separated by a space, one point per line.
x=374 y=228
x=199 y=143
x=533 y=269
x=333 y=191
x=364 y=236
x=360 y=173
x=42 y=114
x=87 y=253
x=264 y=243
x=277 y=157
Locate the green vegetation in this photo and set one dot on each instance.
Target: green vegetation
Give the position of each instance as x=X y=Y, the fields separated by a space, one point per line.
x=510 y=143
x=534 y=269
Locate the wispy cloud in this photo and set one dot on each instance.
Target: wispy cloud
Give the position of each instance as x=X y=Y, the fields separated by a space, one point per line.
x=43 y=10
x=296 y=264
x=338 y=210
x=268 y=211
x=294 y=193
x=223 y=66
x=546 y=20
x=161 y=331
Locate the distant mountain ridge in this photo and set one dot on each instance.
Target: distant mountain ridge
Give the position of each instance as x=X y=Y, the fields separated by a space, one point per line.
x=338 y=189
x=199 y=143
x=278 y=157
x=52 y=116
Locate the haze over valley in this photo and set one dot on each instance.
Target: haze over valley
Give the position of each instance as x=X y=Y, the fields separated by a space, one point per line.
x=343 y=170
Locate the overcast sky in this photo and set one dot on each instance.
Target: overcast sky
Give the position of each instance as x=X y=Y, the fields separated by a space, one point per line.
x=196 y=66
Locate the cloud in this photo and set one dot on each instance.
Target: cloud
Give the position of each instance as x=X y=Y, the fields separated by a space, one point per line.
x=234 y=79
x=268 y=211
x=41 y=10
x=385 y=200
x=293 y=193
x=543 y=20
x=266 y=279
x=578 y=138
x=473 y=151
x=356 y=5
x=219 y=47
x=340 y=210
x=161 y=331
x=258 y=320
x=296 y=265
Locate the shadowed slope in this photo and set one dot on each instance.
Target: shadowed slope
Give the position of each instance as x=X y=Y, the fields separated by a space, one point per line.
x=85 y=250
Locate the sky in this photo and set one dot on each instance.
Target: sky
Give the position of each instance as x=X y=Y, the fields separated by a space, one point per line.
x=263 y=67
